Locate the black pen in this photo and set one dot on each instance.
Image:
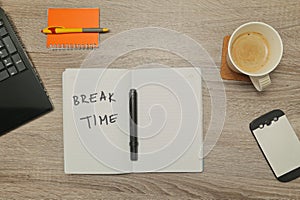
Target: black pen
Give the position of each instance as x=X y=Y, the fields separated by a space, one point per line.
x=133 y=125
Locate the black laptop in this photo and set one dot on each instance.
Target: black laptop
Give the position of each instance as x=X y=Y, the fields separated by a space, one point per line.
x=22 y=94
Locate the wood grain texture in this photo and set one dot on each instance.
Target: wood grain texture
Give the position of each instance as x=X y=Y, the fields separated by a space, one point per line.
x=31 y=157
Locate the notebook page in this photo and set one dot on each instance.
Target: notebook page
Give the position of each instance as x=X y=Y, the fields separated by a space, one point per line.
x=169 y=120
x=96 y=121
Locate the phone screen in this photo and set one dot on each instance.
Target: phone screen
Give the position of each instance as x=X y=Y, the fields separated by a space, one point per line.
x=280 y=145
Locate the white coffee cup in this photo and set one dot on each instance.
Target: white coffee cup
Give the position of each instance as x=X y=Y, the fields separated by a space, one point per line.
x=260 y=78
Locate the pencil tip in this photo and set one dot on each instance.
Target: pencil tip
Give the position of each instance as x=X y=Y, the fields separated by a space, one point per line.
x=105 y=30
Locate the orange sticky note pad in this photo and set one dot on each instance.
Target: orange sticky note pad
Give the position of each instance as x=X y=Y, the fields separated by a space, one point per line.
x=73 y=18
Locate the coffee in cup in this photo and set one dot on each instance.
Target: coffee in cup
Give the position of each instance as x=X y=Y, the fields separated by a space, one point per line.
x=250 y=51
x=255 y=49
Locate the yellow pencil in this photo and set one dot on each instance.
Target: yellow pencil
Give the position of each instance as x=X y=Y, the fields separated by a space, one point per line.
x=60 y=30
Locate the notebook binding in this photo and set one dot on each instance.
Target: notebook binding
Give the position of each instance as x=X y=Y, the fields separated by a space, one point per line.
x=72 y=46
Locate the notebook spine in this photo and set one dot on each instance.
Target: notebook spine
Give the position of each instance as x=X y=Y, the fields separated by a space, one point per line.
x=72 y=46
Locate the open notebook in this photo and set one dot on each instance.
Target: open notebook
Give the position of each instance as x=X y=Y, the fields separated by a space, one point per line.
x=96 y=120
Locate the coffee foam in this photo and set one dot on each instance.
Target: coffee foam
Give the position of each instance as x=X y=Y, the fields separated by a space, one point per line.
x=250 y=51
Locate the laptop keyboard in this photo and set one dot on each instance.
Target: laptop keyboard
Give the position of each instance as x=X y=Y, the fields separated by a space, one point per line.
x=11 y=63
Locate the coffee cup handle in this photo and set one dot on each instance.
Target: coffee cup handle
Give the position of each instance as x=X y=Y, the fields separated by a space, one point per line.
x=260 y=82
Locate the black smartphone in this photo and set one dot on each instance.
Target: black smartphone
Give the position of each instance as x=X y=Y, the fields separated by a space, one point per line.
x=278 y=143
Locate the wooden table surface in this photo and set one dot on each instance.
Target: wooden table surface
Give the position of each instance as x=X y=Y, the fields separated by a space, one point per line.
x=31 y=157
